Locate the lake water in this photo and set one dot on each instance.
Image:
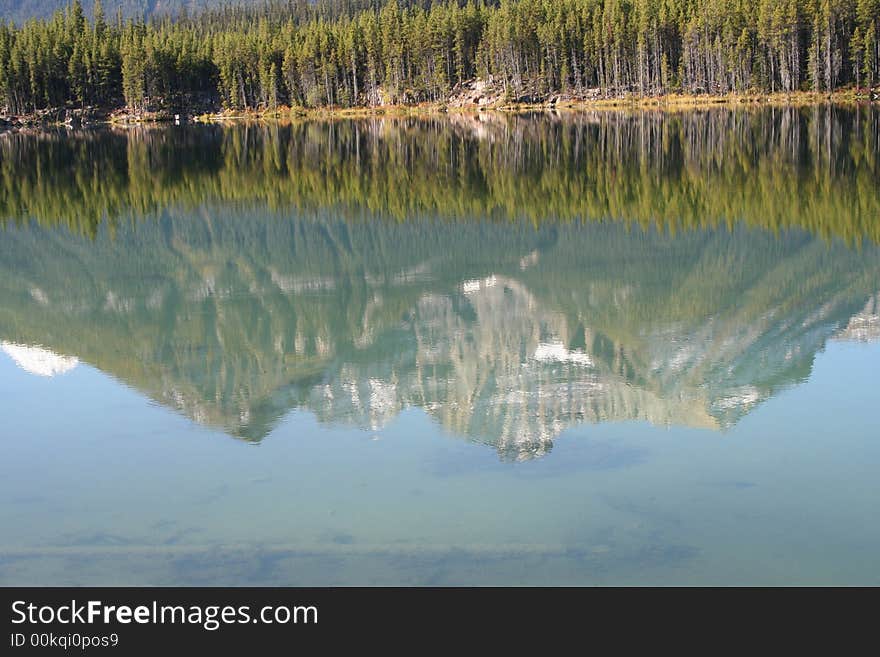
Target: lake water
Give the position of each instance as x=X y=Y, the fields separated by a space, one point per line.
x=531 y=349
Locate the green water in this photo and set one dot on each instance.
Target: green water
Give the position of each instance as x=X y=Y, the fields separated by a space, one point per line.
x=535 y=349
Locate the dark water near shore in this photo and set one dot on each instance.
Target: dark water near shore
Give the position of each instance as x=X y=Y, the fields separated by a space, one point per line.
x=577 y=349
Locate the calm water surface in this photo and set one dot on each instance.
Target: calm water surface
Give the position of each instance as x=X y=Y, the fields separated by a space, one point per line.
x=577 y=349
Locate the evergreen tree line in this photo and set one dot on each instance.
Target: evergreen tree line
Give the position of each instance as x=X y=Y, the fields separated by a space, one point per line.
x=408 y=52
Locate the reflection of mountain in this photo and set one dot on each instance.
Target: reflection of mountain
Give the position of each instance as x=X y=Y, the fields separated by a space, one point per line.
x=504 y=333
x=492 y=362
x=864 y=326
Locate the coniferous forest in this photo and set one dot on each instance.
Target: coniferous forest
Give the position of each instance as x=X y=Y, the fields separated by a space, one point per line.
x=365 y=53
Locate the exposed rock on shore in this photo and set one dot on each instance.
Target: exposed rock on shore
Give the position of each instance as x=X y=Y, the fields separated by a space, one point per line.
x=490 y=93
x=70 y=117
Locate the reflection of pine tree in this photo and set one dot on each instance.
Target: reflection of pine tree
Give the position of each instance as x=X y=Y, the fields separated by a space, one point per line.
x=769 y=169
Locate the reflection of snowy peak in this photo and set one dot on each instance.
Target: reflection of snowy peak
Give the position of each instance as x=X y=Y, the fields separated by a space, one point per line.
x=864 y=326
x=37 y=360
x=489 y=362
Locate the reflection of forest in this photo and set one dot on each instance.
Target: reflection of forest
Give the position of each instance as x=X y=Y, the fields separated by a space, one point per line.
x=505 y=333
x=816 y=169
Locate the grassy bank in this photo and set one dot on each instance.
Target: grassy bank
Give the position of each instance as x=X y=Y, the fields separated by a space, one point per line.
x=670 y=102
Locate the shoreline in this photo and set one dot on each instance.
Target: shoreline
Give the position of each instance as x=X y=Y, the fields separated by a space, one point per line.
x=665 y=103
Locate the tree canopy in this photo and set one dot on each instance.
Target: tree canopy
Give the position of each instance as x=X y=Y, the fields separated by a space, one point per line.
x=354 y=53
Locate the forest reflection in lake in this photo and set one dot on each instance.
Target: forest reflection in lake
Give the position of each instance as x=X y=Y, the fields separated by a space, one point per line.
x=553 y=290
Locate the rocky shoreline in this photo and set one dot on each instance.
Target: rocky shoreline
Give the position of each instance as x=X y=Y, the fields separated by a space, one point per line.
x=472 y=96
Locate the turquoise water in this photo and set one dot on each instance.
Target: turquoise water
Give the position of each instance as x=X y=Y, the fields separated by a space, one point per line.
x=109 y=488
x=236 y=394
